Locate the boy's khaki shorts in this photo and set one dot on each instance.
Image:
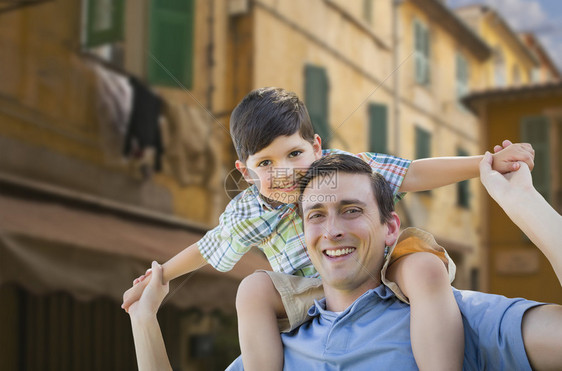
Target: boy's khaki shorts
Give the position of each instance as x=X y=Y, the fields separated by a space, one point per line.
x=298 y=293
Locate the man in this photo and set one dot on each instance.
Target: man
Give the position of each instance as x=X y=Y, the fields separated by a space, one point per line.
x=360 y=324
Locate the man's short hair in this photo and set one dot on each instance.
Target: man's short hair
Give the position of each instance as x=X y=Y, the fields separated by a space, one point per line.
x=341 y=163
x=265 y=114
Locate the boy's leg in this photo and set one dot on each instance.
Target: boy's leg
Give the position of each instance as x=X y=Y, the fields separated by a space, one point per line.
x=259 y=305
x=436 y=328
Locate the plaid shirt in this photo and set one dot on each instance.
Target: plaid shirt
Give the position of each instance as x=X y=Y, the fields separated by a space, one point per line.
x=250 y=221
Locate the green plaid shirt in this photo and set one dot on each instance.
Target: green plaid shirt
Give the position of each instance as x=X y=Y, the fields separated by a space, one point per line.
x=250 y=221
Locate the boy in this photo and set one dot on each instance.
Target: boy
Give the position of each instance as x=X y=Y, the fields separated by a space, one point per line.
x=276 y=144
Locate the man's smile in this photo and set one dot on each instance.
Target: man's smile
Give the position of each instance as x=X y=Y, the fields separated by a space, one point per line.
x=338 y=252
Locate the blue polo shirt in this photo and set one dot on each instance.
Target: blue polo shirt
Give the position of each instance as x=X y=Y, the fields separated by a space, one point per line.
x=374 y=333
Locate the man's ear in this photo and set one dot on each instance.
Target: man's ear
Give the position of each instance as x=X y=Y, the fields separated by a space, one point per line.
x=244 y=171
x=392 y=229
x=317 y=146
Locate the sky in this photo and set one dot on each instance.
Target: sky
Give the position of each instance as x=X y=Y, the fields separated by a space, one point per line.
x=542 y=17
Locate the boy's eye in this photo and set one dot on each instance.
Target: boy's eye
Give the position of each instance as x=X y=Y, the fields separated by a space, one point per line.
x=295 y=153
x=314 y=216
x=264 y=163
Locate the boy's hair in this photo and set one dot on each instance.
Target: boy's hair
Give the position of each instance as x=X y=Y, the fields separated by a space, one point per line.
x=265 y=114
x=341 y=163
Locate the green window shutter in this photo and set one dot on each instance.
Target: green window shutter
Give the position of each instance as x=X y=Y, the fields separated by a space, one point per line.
x=316 y=99
x=171 y=43
x=423 y=143
x=368 y=11
x=378 y=127
x=421 y=53
x=463 y=189
x=535 y=130
x=426 y=51
x=418 y=53
x=104 y=22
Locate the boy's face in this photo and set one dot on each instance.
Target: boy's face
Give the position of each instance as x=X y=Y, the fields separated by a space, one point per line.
x=277 y=169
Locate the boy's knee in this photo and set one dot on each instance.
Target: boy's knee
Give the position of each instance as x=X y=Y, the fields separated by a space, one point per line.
x=254 y=290
x=427 y=270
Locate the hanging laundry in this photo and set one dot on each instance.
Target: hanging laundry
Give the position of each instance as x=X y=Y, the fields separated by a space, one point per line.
x=143 y=130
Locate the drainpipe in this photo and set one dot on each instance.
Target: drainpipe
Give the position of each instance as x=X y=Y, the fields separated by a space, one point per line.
x=210 y=54
x=396 y=77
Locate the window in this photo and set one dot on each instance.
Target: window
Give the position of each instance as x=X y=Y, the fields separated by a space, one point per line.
x=423 y=146
x=535 y=130
x=378 y=127
x=499 y=67
x=422 y=62
x=316 y=99
x=535 y=75
x=104 y=22
x=423 y=143
x=368 y=11
x=463 y=190
x=462 y=76
x=103 y=36
x=171 y=41
x=516 y=75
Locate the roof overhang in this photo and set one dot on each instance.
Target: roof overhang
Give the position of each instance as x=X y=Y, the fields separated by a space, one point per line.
x=49 y=246
x=477 y=98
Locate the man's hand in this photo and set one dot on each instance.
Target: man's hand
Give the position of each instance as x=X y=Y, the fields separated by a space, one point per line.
x=152 y=296
x=508 y=156
x=504 y=188
x=134 y=293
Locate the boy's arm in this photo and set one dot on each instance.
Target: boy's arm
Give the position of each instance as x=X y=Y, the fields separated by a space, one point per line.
x=188 y=260
x=430 y=173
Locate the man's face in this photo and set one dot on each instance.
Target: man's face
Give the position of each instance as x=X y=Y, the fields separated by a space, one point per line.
x=277 y=169
x=343 y=232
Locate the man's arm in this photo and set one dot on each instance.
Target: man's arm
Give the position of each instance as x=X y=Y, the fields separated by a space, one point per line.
x=526 y=207
x=431 y=173
x=541 y=326
x=149 y=343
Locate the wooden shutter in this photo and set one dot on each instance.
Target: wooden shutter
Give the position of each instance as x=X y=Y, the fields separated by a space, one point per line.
x=463 y=190
x=104 y=22
x=378 y=127
x=171 y=41
x=316 y=100
x=423 y=143
x=418 y=53
x=535 y=130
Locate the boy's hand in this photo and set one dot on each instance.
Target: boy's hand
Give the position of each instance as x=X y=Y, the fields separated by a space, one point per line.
x=507 y=156
x=152 y=297
x=134 y=293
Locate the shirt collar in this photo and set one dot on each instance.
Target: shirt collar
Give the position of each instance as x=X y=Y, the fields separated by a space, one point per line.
x=382 y=292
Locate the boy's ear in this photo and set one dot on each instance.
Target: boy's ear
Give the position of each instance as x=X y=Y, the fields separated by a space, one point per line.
x=392 y=229
x=317 y=146
x=244 y=171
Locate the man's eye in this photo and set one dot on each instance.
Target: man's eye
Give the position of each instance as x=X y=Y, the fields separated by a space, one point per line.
x=352 y=211
x=264 y=163
x=295 y=153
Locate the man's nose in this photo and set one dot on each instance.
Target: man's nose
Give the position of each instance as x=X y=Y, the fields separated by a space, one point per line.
x=333 y=229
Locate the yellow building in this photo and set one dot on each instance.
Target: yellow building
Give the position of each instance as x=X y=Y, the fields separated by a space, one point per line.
x=512 y=62
x=376 y=75
x=442 y=61
x=513 y=265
